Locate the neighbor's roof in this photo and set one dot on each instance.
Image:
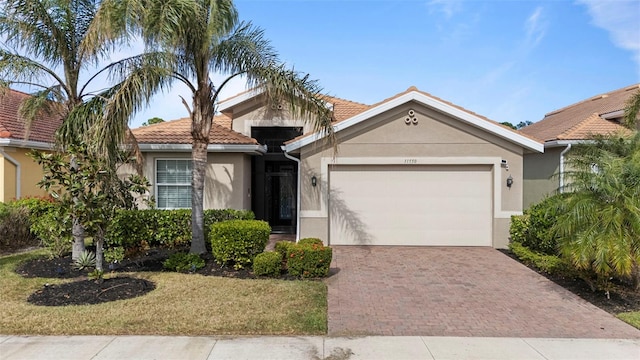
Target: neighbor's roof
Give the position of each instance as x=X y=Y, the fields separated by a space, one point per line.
x=342 y=109
x=12 y=126
x=414 y=94
x=179 y=132
x=582 y=120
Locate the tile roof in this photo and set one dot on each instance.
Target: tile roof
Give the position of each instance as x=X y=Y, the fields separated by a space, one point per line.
x=344 y=109
x=581 y=120
x=179 y=132
x=12 y=126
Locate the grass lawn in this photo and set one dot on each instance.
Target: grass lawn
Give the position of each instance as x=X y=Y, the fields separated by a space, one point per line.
x=632 y=318
x=181 y=304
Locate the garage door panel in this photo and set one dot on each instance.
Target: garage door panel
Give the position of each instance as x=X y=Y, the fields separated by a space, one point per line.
x=411 y=206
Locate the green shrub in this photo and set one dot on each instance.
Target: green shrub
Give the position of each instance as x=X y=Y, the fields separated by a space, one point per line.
x=519 y=227
x=16 y=218
x=114 y=254
x=183 y=262
x=283 y=247
x=86 y=260
x=542 y=216
x=309 y=261
x=267 y=264
x=238 y=241
x=134 y=229
x=53 y=228
x=310 y=241
x=14 y=228
x=551 y=264
x=37 y=205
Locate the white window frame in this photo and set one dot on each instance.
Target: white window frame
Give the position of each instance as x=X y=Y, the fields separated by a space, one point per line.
x=166 y=184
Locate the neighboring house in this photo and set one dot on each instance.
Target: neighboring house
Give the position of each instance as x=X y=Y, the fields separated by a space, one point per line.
x=19 y=174
x=410 y=170
x=544 y=174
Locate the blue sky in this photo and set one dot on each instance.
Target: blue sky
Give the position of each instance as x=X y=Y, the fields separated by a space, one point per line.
x=507 y=60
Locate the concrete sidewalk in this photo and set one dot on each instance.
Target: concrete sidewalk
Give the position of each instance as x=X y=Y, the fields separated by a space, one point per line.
x=315 y=348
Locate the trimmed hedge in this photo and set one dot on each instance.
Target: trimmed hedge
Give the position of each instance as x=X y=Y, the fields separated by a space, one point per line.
x=550 y=264
x=309 y=261
x=238 y=241
x=519 y=227
x=542 y=216
x=310 y=241
x=284 y=248
x=268 y=264
x=162 y=228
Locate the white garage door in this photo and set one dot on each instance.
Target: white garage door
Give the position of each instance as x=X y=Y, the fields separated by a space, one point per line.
x=410 y=205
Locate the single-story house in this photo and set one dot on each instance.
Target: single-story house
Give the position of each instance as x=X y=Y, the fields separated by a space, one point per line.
x=19 y=174
x=410 y=170
x=560 y=129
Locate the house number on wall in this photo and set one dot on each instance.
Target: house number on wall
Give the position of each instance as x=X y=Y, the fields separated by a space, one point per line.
x=410 y=161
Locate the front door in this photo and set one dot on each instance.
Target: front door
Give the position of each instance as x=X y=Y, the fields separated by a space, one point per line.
x=274 y=180
x=280 y=194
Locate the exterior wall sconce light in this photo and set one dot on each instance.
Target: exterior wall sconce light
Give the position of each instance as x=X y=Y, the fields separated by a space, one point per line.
x=314 y=181
x=509 y=181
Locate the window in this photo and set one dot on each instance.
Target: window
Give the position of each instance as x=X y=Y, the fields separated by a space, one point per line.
x=173 y=184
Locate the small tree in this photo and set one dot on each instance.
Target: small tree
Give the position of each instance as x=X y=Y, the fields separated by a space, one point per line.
x=599 y=225
x=91 y=192
x=153 y=120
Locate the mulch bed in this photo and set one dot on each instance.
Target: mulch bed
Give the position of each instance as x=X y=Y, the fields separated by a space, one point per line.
x=86 y=292
x=83 y=291
x=621 y=299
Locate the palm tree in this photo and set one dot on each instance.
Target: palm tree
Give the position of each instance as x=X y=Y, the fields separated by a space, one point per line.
x=49 y=46
x=631 y=110
x=599 y=223
x=192 y=39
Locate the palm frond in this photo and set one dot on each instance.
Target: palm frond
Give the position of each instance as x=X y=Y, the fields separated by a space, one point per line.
x=631 y=110
x=247 y=52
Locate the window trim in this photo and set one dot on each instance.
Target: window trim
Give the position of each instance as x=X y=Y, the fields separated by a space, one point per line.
x=155 y=175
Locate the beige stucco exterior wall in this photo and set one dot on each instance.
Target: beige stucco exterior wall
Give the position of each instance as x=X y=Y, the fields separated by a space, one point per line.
x=253 y=113
x=436 y=139
x=541 y=175
x=227 y=182
x=30 y=174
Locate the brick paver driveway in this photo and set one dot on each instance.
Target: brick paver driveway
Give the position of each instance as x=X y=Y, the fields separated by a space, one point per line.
x=437 y=291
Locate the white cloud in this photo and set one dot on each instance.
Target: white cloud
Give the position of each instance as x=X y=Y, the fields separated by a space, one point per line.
x=619 y=18
x=446 y=7
x=535 y=27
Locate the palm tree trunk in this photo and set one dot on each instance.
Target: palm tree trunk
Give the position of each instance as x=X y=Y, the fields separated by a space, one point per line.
x=201 y=120
x=199 y=158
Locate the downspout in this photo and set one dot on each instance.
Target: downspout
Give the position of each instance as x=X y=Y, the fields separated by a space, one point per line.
x=298 y=192
x=562 y=167
x=17 y=164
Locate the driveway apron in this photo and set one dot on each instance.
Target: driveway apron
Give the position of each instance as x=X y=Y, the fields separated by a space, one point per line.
x=462 y=291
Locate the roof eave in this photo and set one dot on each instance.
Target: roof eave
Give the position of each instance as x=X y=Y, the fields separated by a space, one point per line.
x=29 y=144
x=563 y=143
x=225 y=105
x=466 y=117
x=230 y=148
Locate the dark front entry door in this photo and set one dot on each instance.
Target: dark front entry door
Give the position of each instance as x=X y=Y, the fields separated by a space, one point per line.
x=275 y=180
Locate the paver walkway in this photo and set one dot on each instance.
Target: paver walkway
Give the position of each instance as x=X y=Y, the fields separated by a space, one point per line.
x=440 y=291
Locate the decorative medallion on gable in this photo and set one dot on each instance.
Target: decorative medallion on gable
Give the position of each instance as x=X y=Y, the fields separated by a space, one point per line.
x=411 y=118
